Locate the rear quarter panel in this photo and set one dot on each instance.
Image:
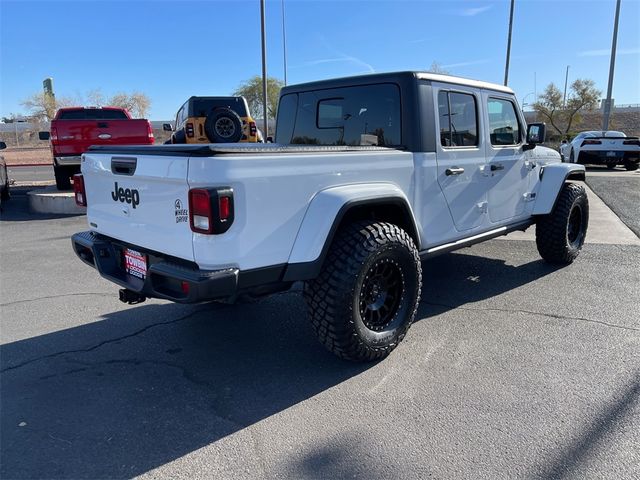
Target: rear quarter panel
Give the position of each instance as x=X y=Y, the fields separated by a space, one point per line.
x=272 y=194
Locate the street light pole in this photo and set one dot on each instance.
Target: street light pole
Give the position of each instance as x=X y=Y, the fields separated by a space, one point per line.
x=265 y=113
x=607 y=102
x=564 y=97
x=506 y=67
x=284 y=46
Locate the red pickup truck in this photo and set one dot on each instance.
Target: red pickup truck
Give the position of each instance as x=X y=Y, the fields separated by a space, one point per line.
x=75 y=129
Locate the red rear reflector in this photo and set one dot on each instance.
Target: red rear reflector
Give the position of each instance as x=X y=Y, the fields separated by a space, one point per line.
x=185 y=287
x=224 y=208
x=78 y=190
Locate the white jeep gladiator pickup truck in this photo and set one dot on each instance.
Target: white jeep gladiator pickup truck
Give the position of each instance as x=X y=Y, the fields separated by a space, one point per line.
x=368 y=176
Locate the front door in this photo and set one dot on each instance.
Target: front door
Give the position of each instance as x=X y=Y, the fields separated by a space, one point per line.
x=460 y=154
x=506 y=165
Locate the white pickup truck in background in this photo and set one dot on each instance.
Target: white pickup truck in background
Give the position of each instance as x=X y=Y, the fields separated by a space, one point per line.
x=369 y=175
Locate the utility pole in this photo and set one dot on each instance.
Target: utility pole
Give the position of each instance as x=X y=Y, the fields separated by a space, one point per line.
x=607 y=102
x=564 y=97
x=265 y=113
x=506 y=67
x=284 y=46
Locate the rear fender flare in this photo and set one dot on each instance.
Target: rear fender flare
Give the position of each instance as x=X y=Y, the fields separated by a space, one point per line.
x=323 y=217
x=552 y=177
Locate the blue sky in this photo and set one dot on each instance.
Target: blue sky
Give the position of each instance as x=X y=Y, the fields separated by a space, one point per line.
x=171 y=50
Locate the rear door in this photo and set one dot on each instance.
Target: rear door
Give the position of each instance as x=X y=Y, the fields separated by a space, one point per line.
x=506 y=165
x=460 y=154
x=140 y=199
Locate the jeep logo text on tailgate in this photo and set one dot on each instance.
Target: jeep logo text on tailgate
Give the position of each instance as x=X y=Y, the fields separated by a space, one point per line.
x=125 y=195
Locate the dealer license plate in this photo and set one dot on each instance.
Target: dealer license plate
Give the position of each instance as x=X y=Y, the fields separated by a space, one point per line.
x=135 y=263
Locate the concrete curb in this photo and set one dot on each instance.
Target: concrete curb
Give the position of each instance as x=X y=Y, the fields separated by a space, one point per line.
x=50 y=200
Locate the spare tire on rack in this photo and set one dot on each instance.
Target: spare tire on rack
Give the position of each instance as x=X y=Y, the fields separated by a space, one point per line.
x=223 y=125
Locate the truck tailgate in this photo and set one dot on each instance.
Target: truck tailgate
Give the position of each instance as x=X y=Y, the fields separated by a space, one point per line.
x=141 y=200
x=74 y=137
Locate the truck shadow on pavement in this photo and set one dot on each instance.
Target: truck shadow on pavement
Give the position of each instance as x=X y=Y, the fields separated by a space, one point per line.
x=146 y=385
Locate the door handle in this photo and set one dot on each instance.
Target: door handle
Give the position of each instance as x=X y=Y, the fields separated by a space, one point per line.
x=454 y=171
x=497 y=166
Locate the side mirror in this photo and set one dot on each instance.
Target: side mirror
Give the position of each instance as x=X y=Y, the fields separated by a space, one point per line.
x=44 y=135
x=167 y=127
x=564 y=142
x=269 y=139
x=3 y=145
x=536 y=133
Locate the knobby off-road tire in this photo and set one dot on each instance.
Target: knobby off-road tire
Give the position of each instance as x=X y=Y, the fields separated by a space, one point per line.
x=561 y=234
x=366 y=296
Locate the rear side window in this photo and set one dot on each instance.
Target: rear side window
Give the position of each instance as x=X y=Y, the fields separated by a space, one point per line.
x=504 y=128
x=360 y=115
x=92 y=114
x=458 y=119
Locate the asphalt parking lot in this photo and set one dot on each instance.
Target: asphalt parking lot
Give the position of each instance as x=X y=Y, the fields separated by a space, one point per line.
x=514 y=369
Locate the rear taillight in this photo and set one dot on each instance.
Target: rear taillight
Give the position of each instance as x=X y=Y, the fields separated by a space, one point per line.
x=78 y=190
x=591 y=142
x=252 y=128
x=150 y=133
x=632 y=142
x=211 y=210
x=54 y=134
x=189 y=130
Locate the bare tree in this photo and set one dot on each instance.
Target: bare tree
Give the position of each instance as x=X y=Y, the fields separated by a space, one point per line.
x=583 y=96
x=43 y=107
x=136 y=103
x=437 y=68
x=96 y=97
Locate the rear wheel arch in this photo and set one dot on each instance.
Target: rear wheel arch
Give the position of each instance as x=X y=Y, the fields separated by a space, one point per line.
x=394 y=210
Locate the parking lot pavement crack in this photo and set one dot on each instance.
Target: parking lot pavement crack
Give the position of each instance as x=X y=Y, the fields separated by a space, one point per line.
x=83 y=294
x=101 y=344
x=530 y=312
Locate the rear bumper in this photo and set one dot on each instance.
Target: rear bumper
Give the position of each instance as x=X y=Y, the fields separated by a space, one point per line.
x=603 y=157
x=68 y=160
x=165 y=278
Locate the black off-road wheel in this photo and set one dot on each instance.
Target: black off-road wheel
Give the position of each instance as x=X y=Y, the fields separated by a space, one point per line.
x=223 y=125
x=63 y=177
x=630 y=166
x=366 y=296
x=560 y=235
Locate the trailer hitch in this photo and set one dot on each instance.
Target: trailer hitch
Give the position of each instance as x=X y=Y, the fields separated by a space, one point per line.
x=130 y=297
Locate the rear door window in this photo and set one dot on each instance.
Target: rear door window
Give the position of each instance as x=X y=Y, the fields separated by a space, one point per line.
x=458 y=119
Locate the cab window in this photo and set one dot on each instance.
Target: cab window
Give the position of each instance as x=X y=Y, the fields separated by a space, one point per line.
x=504 y=128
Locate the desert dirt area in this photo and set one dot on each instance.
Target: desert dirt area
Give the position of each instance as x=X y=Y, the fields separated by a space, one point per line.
x=27 y=155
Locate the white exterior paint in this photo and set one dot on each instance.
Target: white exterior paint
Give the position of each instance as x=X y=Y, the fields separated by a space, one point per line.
x=286 y=203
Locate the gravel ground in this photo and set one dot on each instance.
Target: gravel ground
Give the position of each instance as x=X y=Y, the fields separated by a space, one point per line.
x=621 y=194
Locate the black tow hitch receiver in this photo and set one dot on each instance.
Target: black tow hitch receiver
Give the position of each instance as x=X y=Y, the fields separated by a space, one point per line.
x=130 y=297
